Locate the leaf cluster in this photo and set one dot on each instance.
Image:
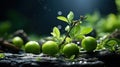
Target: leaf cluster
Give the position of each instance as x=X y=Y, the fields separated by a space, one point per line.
x=74 y=29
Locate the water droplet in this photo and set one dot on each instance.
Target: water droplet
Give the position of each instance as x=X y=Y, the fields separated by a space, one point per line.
x=59 y=12
x=59 y=27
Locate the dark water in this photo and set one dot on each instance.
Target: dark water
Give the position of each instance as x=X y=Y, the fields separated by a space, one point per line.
x=39 y=16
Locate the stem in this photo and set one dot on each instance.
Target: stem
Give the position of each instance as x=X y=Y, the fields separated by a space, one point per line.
x=71 y=27
x=67 y=34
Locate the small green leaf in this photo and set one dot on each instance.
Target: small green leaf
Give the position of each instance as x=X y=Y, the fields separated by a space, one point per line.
x=85 y=30
x=56 y=32
x=67 y=28
x=100 y=47
x=38 y=59
x=79 y=36
x=62 y=18
x=72 y=57
x=2 y=55
x=70 y=16
x=68 y=40
x=111 y=44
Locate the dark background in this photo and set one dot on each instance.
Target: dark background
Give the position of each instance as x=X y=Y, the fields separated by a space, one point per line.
x=39 y=16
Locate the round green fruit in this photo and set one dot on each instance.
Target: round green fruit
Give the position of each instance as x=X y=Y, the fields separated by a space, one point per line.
x=70 y=49
x=50 y=48
x=89 y=44
x=17 y=41
x=32 y=47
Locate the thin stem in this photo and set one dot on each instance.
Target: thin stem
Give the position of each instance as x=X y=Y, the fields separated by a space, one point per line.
x=67 y=34
x=71 y=27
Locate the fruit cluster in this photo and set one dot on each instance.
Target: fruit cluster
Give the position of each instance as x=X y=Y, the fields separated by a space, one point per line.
x=52 y=48
x=62 y=45
x=65 y=45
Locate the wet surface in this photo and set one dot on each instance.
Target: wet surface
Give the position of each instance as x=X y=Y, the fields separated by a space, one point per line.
x=31 y=60
x=96 y=59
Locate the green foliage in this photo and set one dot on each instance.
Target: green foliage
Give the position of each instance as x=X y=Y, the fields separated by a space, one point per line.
x=112 y=23
x=70 y=17
x=67 y=19
x=4 y=27
x=62 y=18
x=67 y=28
x=111 y=44
x=38 y=59
x=108 y=24
x=106 y=43
x=86 y=30
x=72 y=57
x=2 y=55
x=56 y=35
x=118 y=4
x=68 y=40
x=78 y=32
x=93 y=18
x=75 y=31
x=103 y=25
x=56 y=32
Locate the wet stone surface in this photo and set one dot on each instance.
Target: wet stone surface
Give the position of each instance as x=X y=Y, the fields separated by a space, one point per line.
x=31 y=60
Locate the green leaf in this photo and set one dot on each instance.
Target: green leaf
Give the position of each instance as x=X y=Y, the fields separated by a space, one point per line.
x=78 y=32
x=93 y=18
x=67 y=28
x=56 y=32
x=85 y=30
x=72 y=57
x=70 y=16
x=111 y=44
x=100 y=47
x=38 y=59
x=75 y=31
x=62 y=18
x=68 y=40
x=2 y=55
x=79 y=37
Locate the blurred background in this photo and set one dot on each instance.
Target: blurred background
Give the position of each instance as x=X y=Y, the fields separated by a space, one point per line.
x=39 y=16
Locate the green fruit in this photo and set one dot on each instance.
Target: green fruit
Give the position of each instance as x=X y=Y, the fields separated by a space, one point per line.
x=70 y=49
x=18 y=42
x=32 y=47
x=89 y=44
x=50 y=48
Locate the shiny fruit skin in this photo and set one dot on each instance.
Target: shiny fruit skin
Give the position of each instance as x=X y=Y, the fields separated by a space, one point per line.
x=50 y=48
x=70 y=49
x=32 y=47
x=18 y=42
x=89 y=44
